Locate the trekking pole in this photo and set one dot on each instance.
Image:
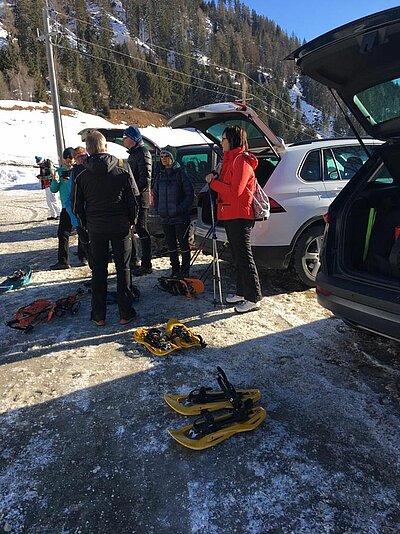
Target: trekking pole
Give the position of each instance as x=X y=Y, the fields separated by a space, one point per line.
x=216 y=269
x=200 y=247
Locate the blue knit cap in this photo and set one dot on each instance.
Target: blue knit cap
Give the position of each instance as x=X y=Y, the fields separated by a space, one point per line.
x=133 y=133
x=39 y=159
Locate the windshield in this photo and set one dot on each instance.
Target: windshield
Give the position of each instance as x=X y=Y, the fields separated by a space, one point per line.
x=380 y=103
x=253 y=133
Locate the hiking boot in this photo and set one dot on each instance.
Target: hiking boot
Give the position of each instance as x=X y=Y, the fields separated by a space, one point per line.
x=59 y=266
x=233 y=299
x=53 y=218
x=82 y=262
x=247 y=306
x=131 y=317
x=98 y=322
x=141 y=271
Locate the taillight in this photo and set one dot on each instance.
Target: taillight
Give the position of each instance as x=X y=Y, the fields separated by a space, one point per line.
x=323 y=291
x=326 y=218
x=275 y=206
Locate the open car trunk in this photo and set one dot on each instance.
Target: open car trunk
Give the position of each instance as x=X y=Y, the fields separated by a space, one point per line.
x=370 y=229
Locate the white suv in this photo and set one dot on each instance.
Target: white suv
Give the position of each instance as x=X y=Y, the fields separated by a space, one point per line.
x=301 y=180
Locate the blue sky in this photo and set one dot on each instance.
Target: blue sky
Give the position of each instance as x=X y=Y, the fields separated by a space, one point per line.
x=309 y=18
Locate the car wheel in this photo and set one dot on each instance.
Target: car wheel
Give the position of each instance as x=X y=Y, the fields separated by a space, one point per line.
x=307 y=255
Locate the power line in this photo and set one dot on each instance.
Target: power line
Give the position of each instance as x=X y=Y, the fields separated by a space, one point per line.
x=174 y=81
x=175 y=71
x=192 y=58
x=157 y=65
x=139 y=70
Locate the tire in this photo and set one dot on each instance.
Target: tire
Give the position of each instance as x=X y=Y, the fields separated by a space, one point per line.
x=307 y=255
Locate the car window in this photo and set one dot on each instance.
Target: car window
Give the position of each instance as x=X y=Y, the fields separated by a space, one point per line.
x=197 y=163
x=380 y=103
x=342 y=163
x=310 y=171
x=383 y=176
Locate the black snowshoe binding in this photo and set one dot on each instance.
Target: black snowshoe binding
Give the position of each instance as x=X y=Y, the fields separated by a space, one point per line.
x=183 y=336
x=70 y=303
x=204 y=398
x=189 y=287
x=16 y=280
x=209 y=430
x=155 y=340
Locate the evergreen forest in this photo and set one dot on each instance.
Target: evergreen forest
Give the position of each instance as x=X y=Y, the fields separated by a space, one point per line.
x=160 y=56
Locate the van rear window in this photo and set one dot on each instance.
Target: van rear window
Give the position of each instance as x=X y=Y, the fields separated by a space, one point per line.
x=381 y=102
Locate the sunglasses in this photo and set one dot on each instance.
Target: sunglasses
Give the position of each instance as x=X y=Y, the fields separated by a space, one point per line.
x=69 y=157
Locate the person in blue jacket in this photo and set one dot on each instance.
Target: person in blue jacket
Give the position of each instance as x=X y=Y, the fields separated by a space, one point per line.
x=59 y=184
x=173 y=197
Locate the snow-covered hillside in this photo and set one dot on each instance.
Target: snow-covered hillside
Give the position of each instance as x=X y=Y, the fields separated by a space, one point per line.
x=28 y=131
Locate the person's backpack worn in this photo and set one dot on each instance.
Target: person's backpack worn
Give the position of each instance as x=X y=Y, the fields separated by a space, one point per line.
x=260 y=202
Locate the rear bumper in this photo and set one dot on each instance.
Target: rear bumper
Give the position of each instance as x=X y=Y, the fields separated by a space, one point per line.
x=265 y=257
x=362 y=310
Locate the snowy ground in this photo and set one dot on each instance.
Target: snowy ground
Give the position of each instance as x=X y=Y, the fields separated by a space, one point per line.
x=83 y=423
x=84 y=447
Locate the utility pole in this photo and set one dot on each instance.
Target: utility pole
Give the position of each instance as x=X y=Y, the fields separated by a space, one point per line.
x=244 y=88
x=53 y=84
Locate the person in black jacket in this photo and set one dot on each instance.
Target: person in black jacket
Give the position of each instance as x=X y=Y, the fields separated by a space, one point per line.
x=173 y=198
x=140 y=162
x=103 y=198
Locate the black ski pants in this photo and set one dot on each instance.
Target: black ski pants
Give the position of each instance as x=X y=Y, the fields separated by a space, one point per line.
x=84 y=245
x=144 y=236
x=63 y=233
x=121 y=245
x=247 y=280
x=174 y=234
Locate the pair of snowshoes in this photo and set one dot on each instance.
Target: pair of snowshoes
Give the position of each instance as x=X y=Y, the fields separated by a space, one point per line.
x=162 y=342
x=239 y=413
x=16 y=280
x=189 y=287
x=27 y=317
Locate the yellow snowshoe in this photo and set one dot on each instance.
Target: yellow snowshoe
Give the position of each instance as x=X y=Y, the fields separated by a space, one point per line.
x=182 y=336
x=155 y=340
x=203 y=399
x=206 y=399
x=208 y=430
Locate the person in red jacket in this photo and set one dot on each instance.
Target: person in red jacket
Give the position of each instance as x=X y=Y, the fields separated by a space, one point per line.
x=234 y=185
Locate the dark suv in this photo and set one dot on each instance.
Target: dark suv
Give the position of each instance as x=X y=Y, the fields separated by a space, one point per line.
x=196 y=156
x=359 y=278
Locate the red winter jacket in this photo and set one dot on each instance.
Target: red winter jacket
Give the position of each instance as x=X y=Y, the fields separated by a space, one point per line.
x=235 y=185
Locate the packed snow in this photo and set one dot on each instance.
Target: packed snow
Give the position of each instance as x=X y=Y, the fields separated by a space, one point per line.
x=28 y=131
